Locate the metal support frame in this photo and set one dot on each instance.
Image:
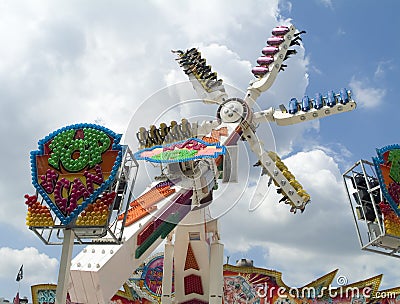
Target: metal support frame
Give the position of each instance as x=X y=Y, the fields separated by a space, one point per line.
x=371 y=234
x=65 y=264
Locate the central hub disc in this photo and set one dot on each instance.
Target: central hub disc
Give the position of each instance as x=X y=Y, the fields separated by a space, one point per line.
x=232 y=110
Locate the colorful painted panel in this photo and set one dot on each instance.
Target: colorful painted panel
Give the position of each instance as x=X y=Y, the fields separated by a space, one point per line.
x=121 y=300
x=246 y=285
x=73 y=166
x=249 y=285
x=390 y=296
x=153 y=274
x=387 y=166
x=45 y=294
x=181 y=151
x=128 y=296
x=261 y=286
x=149 y=277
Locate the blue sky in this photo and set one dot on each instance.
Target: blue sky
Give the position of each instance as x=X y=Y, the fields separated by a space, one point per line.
x=70 y=62
x=349 y=42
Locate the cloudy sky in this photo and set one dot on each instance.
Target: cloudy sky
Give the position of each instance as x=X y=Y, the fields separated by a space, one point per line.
x=104 y=62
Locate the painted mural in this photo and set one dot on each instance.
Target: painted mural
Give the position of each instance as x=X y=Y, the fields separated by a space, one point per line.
x=246 y=285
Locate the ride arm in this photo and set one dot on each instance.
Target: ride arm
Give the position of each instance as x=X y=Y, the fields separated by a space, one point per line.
x=264 y=81
x=283 y=117
x=204 y=81
x=291 y=190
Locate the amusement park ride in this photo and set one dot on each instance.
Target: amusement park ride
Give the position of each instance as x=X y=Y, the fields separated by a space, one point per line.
x=374 y=193
x=86 y=178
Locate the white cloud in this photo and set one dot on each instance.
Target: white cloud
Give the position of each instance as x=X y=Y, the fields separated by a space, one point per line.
x=327 y=3
x=228 y=64
x=187 y=18
x=337 y=151
x=316 y=70
x=382 y=67
x=285 y=7
x=367 y=97
x=340 y=32
x=38 y=268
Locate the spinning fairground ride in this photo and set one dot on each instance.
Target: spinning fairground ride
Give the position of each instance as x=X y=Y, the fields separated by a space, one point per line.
x=84 y=179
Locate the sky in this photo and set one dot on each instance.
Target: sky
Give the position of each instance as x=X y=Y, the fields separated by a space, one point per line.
x=65 y=62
